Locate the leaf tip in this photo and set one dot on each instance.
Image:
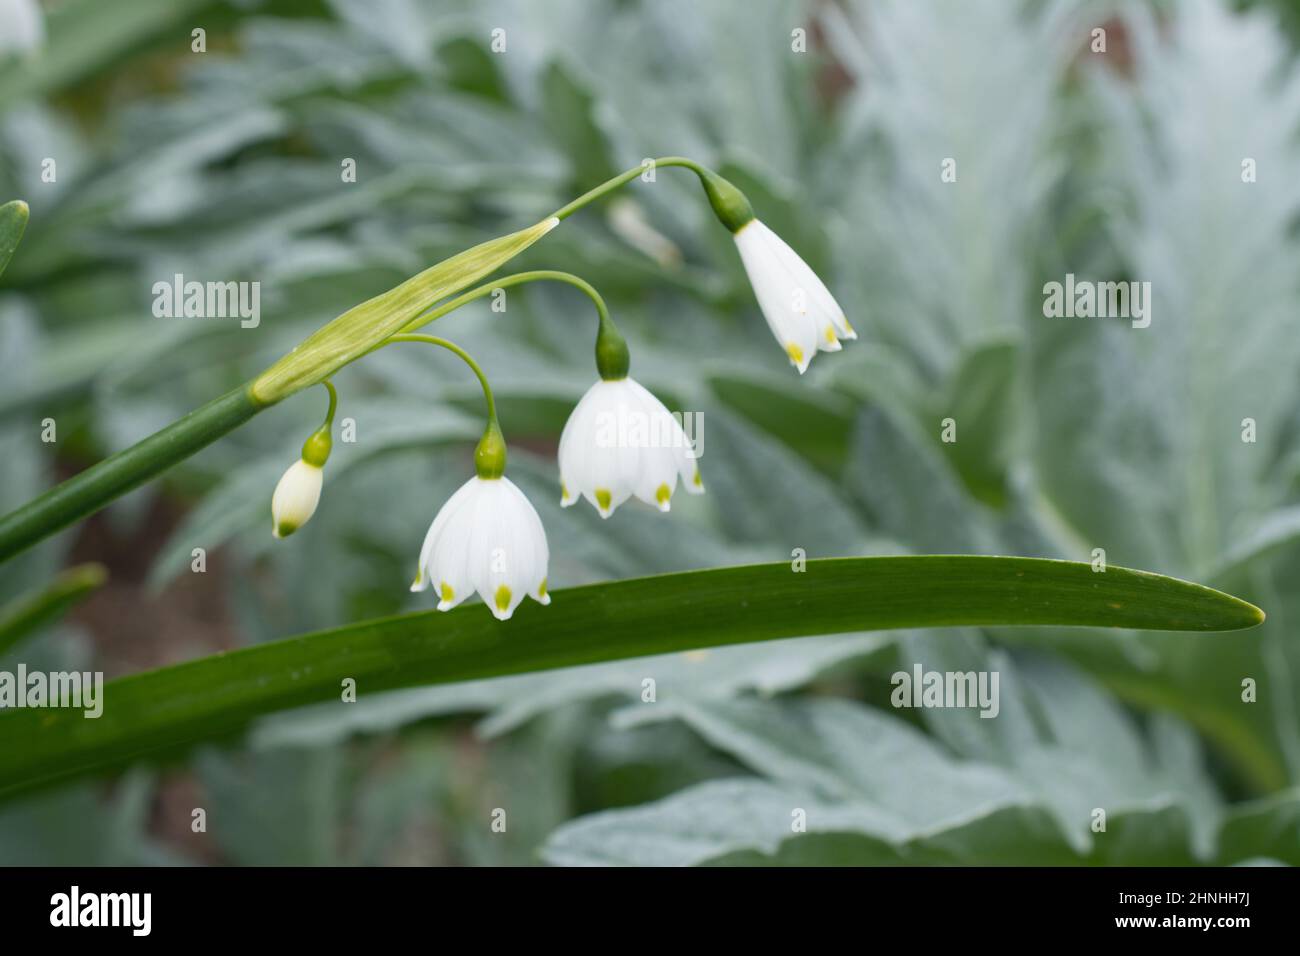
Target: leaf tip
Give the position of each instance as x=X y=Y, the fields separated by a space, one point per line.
x=1245 y=615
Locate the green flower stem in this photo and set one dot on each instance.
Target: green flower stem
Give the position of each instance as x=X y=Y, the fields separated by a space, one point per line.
x=505 y=282
x=84 y=494
x=316 y=449
x=612 y=359
x=464 y=356
x=334 y=403
x=622 y=179
x=490 y=455
x=729 y=203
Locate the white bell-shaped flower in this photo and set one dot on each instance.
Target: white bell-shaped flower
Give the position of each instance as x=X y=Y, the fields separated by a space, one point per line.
x=486 y=538
x=799 y=309
x=619 y=442
x=295 y=498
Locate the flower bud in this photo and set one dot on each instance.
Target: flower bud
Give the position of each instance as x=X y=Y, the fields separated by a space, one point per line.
x=295 y=498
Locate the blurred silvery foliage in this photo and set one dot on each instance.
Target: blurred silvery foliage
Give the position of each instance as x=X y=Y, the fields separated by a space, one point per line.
x=1072 y=434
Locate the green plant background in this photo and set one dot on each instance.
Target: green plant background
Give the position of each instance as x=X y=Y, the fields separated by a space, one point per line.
x=1073 y=434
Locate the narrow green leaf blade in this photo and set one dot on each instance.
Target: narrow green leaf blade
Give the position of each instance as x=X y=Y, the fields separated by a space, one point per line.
x=171 y=708
x=29 y=613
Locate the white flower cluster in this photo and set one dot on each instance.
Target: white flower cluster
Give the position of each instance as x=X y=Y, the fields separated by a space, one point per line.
x=488 y=537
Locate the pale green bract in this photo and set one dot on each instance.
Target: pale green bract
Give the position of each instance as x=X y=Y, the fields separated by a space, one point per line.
x=368 y=325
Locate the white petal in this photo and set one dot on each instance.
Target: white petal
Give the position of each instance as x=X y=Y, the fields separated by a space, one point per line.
x=667 y=456
x=448 y=563
x=534 y=576
x=784 y=304
x=594 y=461
x=453 y=504
x=801 y=274
x=508 y=553
x=576 y=446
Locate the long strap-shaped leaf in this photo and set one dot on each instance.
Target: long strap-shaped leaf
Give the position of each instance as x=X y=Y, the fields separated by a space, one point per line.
x=172 y=708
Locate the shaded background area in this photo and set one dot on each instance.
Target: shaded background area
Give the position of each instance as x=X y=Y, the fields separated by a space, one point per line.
x=1073 y=434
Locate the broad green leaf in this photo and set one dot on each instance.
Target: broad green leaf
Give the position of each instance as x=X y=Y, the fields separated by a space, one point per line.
x=766 y=494
x=816 y=424
x=981 y=403
x=78 y=827
x=471 y=68
x=712 y=820
x=908 y=488
x=296 y=821
x=896 y=795
x=923 y=92
x=1277 y=530
x=569 y=118
x=511 y=701
x=752 y=822
x=855 y=754
x=1263 y=828
x=84 y=35
x=209 y=698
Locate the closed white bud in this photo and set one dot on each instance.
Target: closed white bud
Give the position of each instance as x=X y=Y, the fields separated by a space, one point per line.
x=295 y=498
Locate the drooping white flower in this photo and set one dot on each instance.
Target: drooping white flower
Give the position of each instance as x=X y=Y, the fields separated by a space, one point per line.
x=296 y=496
x=22 y=26
x=486 y=538
x=619 y=442
x=799 y=309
